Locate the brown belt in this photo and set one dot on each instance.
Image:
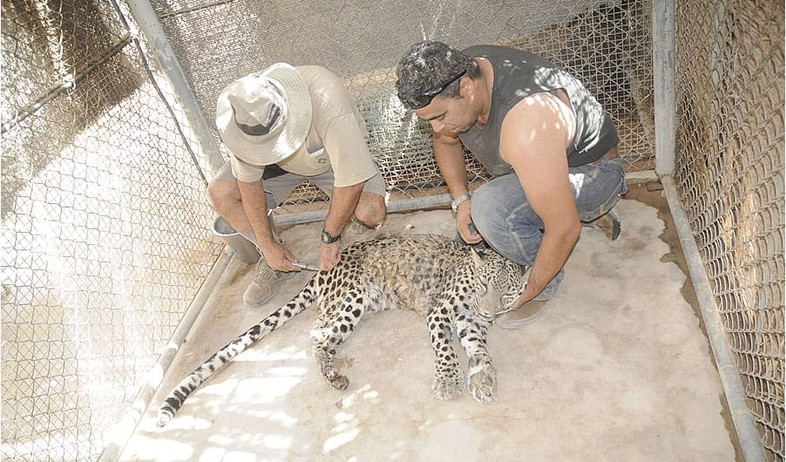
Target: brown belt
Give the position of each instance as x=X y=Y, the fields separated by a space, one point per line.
x=612 y=153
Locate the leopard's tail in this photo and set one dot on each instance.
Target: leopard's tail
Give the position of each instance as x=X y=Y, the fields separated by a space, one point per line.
x=174 y=401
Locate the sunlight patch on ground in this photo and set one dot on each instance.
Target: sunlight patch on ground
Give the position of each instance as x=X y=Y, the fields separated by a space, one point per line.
x=235 y=456
x=153 y=448
x=346 y=429
x=264 y=389
x=188 y=422
x=269 y=353
x=282 y=419
x=222 y=388
x=365 y=393
x=277 y=441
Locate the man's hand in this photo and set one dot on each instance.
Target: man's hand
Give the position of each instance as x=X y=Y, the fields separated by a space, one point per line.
x=523 y=298
x=329 y=255
x=464 y=224
x=532 y=288
x=279 y=257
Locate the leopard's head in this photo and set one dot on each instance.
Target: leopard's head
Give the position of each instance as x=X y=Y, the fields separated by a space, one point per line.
x=498 y=283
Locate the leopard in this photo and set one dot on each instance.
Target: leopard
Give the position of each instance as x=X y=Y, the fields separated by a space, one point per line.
x=459 y=289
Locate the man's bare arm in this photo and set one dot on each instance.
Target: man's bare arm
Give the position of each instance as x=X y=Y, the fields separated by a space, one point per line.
x=450 y=159
x=533 y=140
x=343 y=202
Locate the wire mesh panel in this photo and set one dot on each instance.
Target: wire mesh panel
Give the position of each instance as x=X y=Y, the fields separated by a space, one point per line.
x=730 y=161
x=104 y=238
x=606 y=44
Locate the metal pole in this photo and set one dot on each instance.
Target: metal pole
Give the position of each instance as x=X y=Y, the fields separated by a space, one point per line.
x=121 y=432
x=403 y=205
x=727 y=369
x=663 y=32
x=150 y=26
x=427 y=202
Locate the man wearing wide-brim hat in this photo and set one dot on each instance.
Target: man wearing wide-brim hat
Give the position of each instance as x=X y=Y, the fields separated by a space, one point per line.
x=283 y=126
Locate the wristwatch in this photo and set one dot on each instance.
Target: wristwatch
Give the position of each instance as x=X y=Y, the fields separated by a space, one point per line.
x=328 y=238
x=455 y=202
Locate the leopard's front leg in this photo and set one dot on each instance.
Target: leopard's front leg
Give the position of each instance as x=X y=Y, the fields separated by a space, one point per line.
x=327 y=335
x=481 y=377
x=448 y=375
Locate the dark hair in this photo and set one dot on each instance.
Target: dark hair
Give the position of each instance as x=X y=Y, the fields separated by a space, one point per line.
x=427 y=66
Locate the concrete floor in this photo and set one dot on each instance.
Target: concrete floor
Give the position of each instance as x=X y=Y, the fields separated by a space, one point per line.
x=618 y=369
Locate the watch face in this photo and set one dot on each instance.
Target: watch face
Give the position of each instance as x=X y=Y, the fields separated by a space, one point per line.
x=328 y=239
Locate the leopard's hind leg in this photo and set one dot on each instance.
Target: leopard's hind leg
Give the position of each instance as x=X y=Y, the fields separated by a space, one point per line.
x=329 y=332
x=481 y=375
x=448 y=375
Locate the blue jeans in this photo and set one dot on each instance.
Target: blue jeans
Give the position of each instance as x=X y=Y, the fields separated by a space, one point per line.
x=502 y=214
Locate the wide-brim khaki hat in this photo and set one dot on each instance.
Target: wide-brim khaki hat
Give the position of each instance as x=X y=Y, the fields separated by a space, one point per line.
x=263 y=118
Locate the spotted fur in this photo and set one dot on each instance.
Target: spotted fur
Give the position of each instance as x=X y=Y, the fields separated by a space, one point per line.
x=457 y=289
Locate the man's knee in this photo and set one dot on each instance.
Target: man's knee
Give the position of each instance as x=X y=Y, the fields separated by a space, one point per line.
x=484 y=204
x=221 y=194
x=371 y=210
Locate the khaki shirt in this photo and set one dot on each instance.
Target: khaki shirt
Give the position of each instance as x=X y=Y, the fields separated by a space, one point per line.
x=337 y=137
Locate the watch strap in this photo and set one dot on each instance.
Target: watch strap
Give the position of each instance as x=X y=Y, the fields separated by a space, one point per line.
x=455 y=202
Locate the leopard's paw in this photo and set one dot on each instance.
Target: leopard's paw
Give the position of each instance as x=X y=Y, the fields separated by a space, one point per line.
x=336 y=380
x=482 y=380
x=448 y=383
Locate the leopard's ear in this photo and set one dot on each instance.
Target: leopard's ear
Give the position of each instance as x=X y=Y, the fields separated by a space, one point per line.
x=525 y=270
x=477 y=255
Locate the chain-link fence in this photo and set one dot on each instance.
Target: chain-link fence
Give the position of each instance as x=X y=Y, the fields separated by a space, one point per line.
x=105 y=234
x=104 y=238
x=730 y=173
